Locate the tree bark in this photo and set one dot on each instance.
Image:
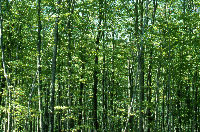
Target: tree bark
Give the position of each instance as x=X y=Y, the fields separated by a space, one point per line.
x=9 y=126
x=39 y=68
x=149 y=86
x=104 y=89
x=141 y=71
x=95 y=73
x=95 y=120
x=53 y=70
x=81 y=90
x=70 y=83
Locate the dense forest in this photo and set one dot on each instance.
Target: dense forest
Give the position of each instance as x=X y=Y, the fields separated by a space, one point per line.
x=100 y=65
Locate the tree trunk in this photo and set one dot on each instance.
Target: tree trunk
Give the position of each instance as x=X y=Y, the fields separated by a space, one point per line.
x=104 y=89
x=39 y=68
x=95 y=77
x=52 y=100
x=95 y=120
x=141 y=71
x=149 y=86
x=9 y=126
x=81 y=91
x=70 y=83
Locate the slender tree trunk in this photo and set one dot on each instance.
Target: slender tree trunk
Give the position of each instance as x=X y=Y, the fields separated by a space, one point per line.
x=130 y=78
x=169 y=81
x=81 y=100
x=47 y=106
x=6 y=71
x=103 y=86
x=195 y=90
x=52 y=100
x=70 y=28
x=60 y=90
x=112 y=82
x=9 y=126
x=149 y=85
x=104 y=90
x=141 y=71
x=2 y=86
x=95 y=77
x=81 y=90
x=136 y=43
x=59 y=103
x=39 y=68
x=163 y=110
x=157 y=118
x=158 y=73
x=95 y=120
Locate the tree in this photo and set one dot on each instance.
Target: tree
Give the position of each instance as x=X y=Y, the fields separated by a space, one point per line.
x=54 y=71
x=39 y=67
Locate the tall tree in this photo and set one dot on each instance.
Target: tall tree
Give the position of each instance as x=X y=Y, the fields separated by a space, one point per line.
x=70 y=51
x=141 y=67
x=54 y=70
x=96 y=70
x=39 y=66
x=104 y=86
x=6 y=75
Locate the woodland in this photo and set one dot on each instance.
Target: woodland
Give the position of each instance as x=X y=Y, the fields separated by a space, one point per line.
x=99 y=66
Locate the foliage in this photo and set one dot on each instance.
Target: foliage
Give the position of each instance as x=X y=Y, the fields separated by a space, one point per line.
x=144 y=54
